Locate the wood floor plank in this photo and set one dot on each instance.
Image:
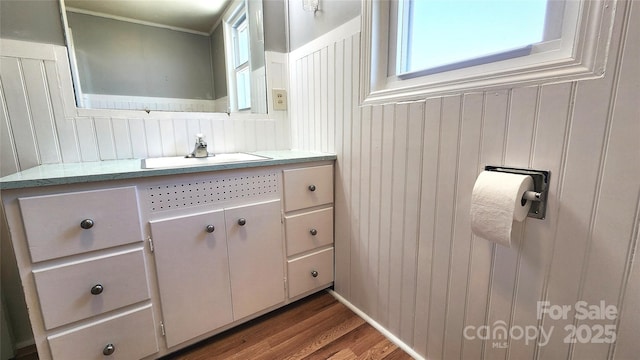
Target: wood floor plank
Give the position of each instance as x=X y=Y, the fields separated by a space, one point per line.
x=286 y=347
x=243 y=337
x=344 y=354
x=317 y=327
x=380 y=351
x=397 y=354
x=358 y=341
x=322 y=339
x=321 y=321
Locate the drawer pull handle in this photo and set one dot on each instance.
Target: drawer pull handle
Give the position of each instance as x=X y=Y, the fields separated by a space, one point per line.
x=242 y=221
x=210 y=228
x=86 y=224
x=312 y=188
x=313 y=232
x=314 y=273
x=109 y=349
x=97 y=289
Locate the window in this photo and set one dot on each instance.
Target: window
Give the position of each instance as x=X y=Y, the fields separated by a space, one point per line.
x=238 y=57
x=437 y=34
x=418 y=48
x=242 y=74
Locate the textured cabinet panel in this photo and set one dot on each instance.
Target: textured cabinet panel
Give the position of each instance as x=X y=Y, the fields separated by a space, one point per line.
x=308 y=187
x=310 y=272
x=134 y=338
x=309 y=230
x=79 y=290
x=53 y=223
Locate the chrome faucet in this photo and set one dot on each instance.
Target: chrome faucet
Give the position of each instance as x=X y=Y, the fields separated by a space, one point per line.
x=200 y=149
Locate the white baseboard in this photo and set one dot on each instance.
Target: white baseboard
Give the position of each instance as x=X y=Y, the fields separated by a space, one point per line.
x=377 y=326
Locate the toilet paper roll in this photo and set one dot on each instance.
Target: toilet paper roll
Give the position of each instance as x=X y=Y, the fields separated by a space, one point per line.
x=496 y=201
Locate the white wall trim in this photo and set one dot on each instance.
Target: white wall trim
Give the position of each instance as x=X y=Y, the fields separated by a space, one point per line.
x=343 y=31
x=25 y=49
x=276 y=63
x=125 y=102
x=406 y=348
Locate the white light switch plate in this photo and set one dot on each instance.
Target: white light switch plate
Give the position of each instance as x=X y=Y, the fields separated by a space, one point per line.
x=279 y=99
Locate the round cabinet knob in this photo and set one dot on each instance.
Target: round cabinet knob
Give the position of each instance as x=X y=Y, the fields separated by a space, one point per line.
x=108 y=349
x=210 y=228
x=313 y=232
x=312 y=187
x=86 y=224
x=314 y=273
x=242 y=221
x=97 y=289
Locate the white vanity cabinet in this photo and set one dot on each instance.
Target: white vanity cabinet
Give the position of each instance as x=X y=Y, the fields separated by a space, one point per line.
x=205 y=260
x=140 y=267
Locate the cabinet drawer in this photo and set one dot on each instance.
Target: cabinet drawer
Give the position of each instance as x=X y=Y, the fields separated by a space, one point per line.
x=131 y=336
x=307 y=187
x=301 y=271
x=53 y=222
x=309 y=230
x=66 y=292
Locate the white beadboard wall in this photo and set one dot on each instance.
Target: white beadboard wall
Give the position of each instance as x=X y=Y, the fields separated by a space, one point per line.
x=39 y=123
x=404 y=251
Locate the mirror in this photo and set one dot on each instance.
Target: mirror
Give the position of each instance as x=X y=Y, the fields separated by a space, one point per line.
x=167 y=55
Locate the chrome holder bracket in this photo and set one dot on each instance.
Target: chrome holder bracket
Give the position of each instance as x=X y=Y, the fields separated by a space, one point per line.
x=538 y=196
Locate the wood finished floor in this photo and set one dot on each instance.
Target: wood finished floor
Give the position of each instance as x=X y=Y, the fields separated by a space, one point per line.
x=317 y=327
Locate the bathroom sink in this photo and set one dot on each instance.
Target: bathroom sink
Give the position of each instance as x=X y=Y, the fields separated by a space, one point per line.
x=181 y=161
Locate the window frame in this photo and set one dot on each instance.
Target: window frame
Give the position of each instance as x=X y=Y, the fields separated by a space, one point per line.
x=241 y=22
x=235 y=16
x=582 y=56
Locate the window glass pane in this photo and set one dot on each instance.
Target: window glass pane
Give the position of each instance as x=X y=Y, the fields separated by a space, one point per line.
x=243 y=43
x=442 y=32
x=243 y=85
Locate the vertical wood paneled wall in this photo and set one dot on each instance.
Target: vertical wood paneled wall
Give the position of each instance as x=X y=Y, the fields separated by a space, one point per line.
x=404 y=251
x=40 y=125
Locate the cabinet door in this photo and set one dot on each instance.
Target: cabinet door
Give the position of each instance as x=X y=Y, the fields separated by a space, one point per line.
x=254 y=237
x=193 y=274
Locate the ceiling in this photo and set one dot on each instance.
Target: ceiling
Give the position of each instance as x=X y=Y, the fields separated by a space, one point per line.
x=193 y=15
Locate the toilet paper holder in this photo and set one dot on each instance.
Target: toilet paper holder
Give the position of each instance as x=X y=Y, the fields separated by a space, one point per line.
x=538 y=196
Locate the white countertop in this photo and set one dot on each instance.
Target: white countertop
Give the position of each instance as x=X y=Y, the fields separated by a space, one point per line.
x=60 y=174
